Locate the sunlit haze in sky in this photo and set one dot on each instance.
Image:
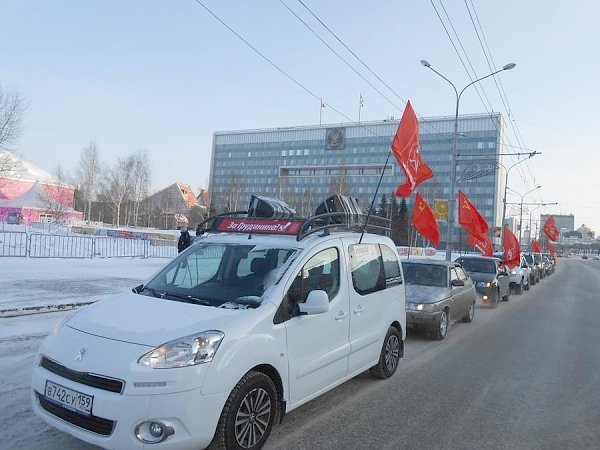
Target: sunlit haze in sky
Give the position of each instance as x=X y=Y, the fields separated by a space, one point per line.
x=164 y=75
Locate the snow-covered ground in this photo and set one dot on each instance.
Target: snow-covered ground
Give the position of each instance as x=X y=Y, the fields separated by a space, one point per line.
x=31 y=282
x=28 y=282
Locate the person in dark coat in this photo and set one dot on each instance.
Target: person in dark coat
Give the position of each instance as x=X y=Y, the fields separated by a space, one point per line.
x=184 y=240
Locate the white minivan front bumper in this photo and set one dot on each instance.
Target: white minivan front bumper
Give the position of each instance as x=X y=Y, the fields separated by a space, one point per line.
x=170 y=397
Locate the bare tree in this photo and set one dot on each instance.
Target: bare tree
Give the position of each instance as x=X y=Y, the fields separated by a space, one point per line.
x=55 y=197
x=141 y=181
x=233 y=192
x=115 y=185
x=339 y=185
x=12 y=106
x=87 y=175
x=307 y=207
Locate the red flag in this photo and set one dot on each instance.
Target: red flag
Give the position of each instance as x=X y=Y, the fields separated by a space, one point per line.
x=512 y=249
x=424 y=220
x=551 y=249
x=406 y=149
x=550 y=229
x=482 y=242
x=469 y=217
x=535 y=246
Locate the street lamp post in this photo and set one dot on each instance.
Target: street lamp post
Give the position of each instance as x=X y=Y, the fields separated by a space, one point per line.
x=530 y=216
x=521 y=207
x=531 y=155
x=451 y=203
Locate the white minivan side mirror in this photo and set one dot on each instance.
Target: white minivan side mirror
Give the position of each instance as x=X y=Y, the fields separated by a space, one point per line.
x=317 y=302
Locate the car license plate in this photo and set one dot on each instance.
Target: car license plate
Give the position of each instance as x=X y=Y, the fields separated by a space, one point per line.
x=69 y=398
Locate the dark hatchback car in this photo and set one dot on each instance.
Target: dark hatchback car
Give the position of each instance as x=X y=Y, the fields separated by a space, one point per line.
x=491 y=280
x=437 y=292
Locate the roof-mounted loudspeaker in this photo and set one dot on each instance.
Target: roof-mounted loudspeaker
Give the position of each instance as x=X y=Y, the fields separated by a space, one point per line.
x=269 y=208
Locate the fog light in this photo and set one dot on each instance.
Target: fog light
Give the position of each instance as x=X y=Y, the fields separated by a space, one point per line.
x=156 y=429
x=153 y=432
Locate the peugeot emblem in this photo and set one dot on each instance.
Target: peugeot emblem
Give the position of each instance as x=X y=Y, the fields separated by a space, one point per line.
x=81 y=354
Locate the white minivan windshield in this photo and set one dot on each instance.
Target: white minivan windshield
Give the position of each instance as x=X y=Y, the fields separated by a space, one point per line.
x=220 y=274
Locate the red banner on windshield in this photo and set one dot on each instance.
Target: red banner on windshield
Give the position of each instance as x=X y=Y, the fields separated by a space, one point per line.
x=290 y=227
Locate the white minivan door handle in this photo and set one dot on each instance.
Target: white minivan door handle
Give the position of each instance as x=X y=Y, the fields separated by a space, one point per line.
x=341 y=315
x=359 y=309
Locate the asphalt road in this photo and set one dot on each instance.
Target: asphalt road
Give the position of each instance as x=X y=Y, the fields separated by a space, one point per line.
x=525 y=376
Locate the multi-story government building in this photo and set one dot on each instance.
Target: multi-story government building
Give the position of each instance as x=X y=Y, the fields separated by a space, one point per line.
x=303 y=165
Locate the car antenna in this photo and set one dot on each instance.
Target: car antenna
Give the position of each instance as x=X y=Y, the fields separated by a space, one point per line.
x=374 y=197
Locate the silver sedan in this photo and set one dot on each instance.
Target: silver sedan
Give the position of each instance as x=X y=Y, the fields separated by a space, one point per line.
x=437 y=292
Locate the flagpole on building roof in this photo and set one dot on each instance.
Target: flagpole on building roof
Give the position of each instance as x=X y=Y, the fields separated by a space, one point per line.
x=360 y=105
x=321 y=106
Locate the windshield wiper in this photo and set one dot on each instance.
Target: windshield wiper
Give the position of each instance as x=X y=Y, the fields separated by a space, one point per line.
x=153 y=291
x=187 y=298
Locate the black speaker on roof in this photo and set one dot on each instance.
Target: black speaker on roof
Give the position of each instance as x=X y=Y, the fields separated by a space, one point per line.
x=340 y=204
x=269 y=208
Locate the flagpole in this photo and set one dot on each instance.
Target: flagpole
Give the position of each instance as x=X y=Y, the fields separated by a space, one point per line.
x=360 y=105
x=320 y=110
x=374 y=197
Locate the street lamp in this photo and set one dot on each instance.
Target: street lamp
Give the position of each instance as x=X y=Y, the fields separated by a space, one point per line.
x=540 y=205
x=521 y=207
x=451 y=203
x=531 y=155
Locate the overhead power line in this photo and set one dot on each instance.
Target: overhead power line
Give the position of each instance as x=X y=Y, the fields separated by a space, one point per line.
x=469 y=74
x=282 y=71
x=358 y=58
x=498 y=82
x=340 y=56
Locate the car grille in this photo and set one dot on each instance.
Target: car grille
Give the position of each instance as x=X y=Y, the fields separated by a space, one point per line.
x=94 y=424
x=89 y=379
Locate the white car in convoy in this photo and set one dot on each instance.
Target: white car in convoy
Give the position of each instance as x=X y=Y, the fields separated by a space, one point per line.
x=520 y=276
x=239 y=329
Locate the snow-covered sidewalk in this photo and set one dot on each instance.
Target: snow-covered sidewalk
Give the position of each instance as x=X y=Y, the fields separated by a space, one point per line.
x=29 y=285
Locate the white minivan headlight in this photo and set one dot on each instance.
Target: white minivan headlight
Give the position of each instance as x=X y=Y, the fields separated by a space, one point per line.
x=186 y=351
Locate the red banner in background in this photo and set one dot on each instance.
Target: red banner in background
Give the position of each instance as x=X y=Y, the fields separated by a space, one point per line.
x=512 y=249
x=406 y=149
x=424 y=221
x=469 y=216
x=482 y=242
x=550 y=229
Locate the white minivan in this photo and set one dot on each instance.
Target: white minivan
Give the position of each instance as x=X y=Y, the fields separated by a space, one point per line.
x=254 y=319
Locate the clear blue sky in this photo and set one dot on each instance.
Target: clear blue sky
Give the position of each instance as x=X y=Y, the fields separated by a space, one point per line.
x=163 y=75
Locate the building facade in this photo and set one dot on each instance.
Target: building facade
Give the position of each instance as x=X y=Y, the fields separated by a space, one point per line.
x=172 y=207
x=304 y=165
